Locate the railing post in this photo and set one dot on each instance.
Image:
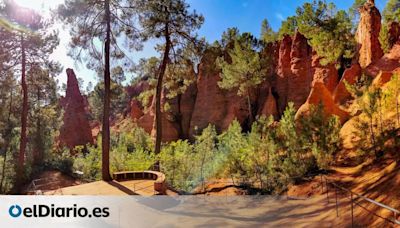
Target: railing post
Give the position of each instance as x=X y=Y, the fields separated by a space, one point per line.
x=327 y=190
x=337 y=207
x=352 y=213
x=226 y=195
x=322 y=185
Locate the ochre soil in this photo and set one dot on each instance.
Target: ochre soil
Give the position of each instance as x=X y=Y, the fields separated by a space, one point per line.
x=52 y=180
x=377 y=179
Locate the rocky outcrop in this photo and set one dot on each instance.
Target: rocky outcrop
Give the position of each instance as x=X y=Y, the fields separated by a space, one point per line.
x=320 y=94
x=384 y=76
x=367 y=35
x=328 y=74
x=300 y=81
x=136 y=109
x=214 y=105
x=388 y=62
x=283 y=72
x=350 y=75
x=76 y=129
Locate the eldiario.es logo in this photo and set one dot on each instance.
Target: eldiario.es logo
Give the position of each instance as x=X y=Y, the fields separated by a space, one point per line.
x=41 y=210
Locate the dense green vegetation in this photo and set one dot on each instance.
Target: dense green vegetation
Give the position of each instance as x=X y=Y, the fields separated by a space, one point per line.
x=267 y=158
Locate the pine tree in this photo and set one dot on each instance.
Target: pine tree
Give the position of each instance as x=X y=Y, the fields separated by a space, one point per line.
x=28 y=43
x=43 y=100
x=328 y=30
x=105 y=21
x=171 y=21
x=391 y=13
x=288 y=27
x=354 y=12
x=243 y=70
x=8 y=122
x=267 y=34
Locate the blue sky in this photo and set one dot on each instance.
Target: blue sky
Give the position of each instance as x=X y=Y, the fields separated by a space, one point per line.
x=246 y=15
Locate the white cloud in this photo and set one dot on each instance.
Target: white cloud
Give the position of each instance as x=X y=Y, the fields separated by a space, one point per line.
x=279 y=16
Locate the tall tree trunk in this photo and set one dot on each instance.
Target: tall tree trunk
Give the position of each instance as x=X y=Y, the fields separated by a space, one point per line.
x=161 y=72
x=24 y=117
x=105 y=171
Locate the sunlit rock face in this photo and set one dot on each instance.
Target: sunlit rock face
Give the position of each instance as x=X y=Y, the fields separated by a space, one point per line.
x=326 y=74
x=76 y=128
x=300 y=81
x=320 y=94
x=367 y=35
x=341 y=95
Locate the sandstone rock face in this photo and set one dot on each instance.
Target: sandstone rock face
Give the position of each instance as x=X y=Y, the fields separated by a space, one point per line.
x=270 y=106
x=76 y=128
x=283 y=72
x=367 y=35
x=293 y=71
x=320 y=94
x=302 y=73
x=170 y=128
x=214 y=105
x=136 y=109
x=326 y=74
x=350 y=75
x=388 y=62
x=385 y=76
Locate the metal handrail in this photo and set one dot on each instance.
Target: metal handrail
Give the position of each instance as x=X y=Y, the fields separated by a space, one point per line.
x=394 y=211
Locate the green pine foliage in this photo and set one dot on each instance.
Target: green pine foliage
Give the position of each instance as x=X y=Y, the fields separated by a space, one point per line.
x=288 y=27
x=322 y=135
x=243 y=70
x=130 y=150
x=267 y=34
x=391 y=12
x=384 y=38
x=328 y=30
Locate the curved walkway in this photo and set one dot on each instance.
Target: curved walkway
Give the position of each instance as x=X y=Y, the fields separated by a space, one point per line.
x=146 y=183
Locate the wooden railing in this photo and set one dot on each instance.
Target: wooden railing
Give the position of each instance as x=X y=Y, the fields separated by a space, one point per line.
x=354 y=197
